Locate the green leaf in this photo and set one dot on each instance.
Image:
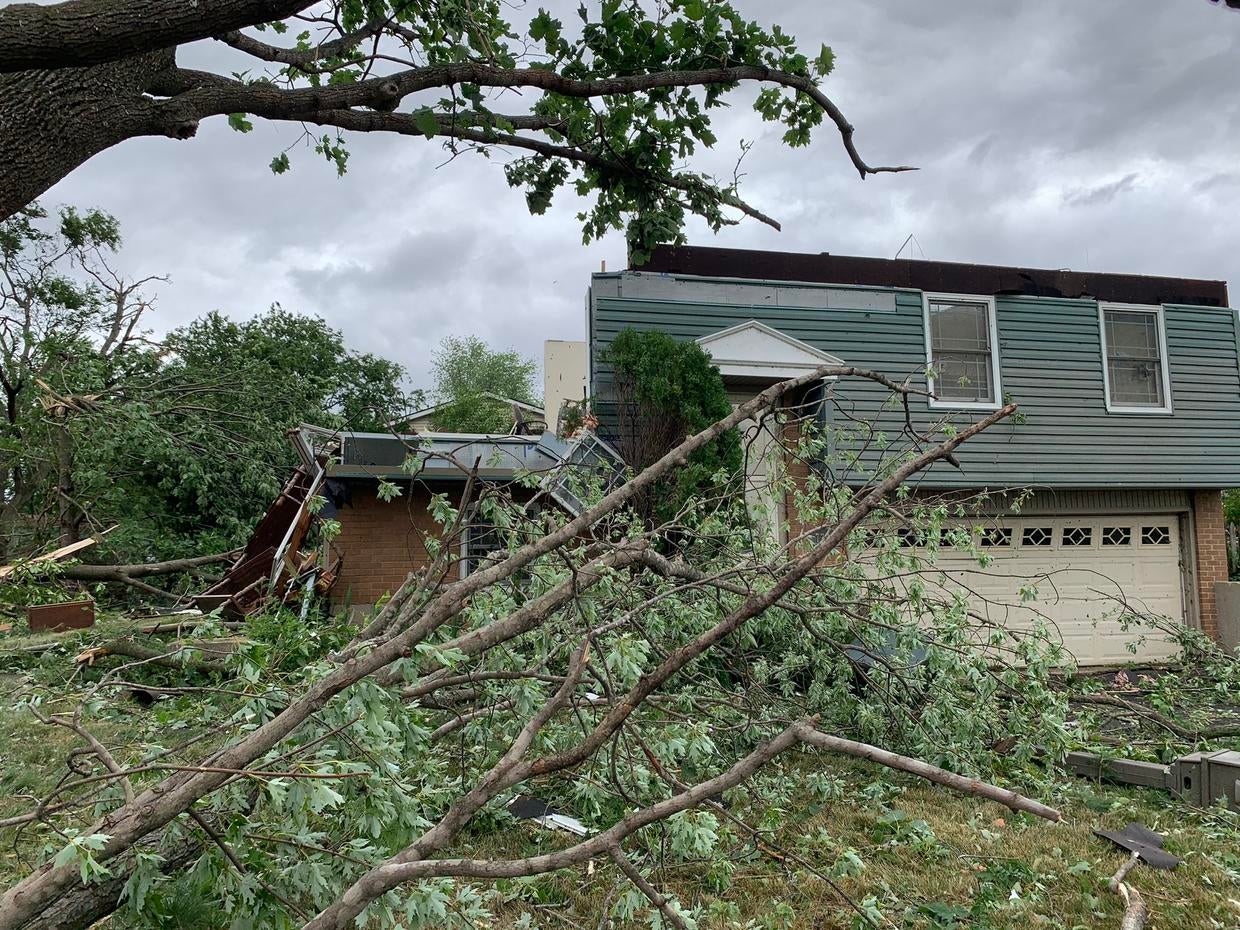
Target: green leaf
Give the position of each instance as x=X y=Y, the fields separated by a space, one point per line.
x=280 y=163
x=825 y=62
x=426 y=122
x=695 y=10
x=238 y=122
x=542 y=26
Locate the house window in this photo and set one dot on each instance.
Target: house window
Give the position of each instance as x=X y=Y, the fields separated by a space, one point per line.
x=962 y=351
x=1155 y=536
x=1116 y=536
x=1134 y=347
x=481 y=539
x=1078 y=536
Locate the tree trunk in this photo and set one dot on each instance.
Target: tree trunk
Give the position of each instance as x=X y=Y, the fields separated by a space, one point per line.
x=94 y=902
x=53 y=121
x=69 y=515
x=76 y=33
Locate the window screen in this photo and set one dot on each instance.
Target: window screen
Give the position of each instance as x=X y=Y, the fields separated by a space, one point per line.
x=960 y=351
x=1134 y=358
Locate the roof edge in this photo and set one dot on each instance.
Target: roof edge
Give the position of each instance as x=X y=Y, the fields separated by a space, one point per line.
x=940 y=277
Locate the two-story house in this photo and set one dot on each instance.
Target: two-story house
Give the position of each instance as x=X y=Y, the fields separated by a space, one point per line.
x=1128 y=388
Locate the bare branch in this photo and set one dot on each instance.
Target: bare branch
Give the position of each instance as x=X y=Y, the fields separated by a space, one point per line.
x=1009 y=799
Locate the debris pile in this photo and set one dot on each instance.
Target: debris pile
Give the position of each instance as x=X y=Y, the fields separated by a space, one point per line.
x=274 y=562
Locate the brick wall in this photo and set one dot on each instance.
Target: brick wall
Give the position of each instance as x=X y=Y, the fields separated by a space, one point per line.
x=1211 y=548
x=380 y=542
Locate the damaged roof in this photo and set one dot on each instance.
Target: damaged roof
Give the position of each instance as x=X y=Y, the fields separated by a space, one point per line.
x=443 y=455
x=940 y=277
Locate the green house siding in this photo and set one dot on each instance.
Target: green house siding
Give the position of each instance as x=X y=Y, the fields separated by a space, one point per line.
x=1050 y=365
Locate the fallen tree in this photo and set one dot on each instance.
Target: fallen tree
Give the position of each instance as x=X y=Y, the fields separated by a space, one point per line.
x=132 y=575
x=635 y=670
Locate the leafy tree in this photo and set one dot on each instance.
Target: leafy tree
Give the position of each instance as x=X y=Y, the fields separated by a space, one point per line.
x=180 y=442
x=215 y=463
x=465 y=371
x=70 y=342
x=665 y=390
x=616 y=103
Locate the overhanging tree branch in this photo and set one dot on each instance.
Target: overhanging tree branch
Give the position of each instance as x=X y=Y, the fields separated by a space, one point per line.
x=406 y=124
x=209 y=94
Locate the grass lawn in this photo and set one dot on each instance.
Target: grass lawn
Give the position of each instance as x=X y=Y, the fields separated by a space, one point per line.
x=914 y=855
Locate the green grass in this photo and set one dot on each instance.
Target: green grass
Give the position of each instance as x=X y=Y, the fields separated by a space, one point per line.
x=942 y=861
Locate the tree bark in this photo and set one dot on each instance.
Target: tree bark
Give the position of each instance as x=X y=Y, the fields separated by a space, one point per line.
x=69 y=516
x=93 y=32
x=51 y=122
x=97 y=901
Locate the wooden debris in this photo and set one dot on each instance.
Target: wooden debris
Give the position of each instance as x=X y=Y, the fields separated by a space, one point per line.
x=273 y=554
x=88 y=656
x=200 y=654
x=57 y=555
x=74 y=615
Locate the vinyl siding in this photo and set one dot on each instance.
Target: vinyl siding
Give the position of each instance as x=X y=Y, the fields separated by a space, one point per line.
x=1050 y=365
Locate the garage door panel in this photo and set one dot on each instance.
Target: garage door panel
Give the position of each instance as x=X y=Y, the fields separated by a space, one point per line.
x=1087 y=571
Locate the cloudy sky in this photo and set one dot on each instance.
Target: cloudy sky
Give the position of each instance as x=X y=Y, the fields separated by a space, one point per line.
x=1099 y=135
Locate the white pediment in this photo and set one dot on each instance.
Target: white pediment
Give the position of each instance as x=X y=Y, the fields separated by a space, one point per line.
x=755 y=350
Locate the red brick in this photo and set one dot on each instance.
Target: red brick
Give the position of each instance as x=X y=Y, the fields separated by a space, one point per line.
x=1210 y=545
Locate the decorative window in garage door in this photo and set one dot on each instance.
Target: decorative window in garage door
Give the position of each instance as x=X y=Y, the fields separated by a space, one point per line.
x=1116 y=535
x=1037 y=536
x=996 y=537
x=1078 y=536
x=1155 y=535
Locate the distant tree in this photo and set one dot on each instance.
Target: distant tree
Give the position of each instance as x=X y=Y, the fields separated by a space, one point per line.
x=614 y=106
x=665 y=390
x=465 y=370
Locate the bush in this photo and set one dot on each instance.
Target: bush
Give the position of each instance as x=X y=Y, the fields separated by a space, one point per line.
x=664 y=391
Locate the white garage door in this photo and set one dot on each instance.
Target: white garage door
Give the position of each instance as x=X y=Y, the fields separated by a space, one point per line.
x=1087 y=572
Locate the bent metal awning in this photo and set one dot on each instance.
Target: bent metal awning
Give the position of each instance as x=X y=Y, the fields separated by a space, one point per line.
x=564 y=465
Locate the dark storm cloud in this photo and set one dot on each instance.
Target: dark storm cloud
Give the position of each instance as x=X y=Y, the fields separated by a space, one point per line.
x=1098 y=135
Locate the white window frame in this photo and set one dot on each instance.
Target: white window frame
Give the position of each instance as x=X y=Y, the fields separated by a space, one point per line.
x=937 y=403
x=1167 y=407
